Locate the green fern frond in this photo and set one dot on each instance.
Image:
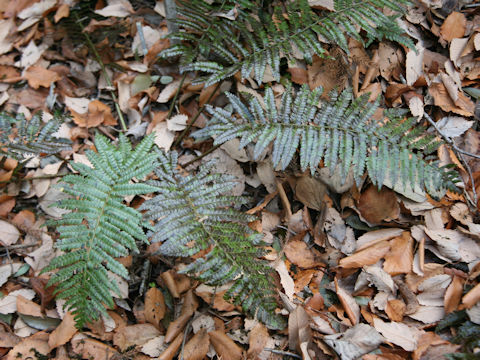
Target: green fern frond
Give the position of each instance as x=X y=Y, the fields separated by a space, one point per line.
x=342 y=132
x=193 y=214
x=20 y=138
x=221 y=47
x=99 y=227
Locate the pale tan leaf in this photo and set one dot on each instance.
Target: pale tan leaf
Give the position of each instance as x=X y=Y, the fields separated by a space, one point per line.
x=453 y=295
x=398 y=333
x=9 y=234
x=472 y=297
x=135 y=335
x=454 y=26
x=27 y=349
x=197 y=347
x=399 y=260
x=154 y=306
x=285 y=279
x=92 y=349
x=117 y=8
x=349 y=304
x=367 y=256
x=8 y=304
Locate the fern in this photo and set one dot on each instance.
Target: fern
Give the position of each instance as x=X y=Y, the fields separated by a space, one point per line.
x=221 y=47
x=192 y=214
x=20 y=138
x=99 y=227
x=341 y=133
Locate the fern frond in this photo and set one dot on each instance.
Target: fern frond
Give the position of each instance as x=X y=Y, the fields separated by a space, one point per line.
x=220 y=47
x=193 y=214
x=99 y=227
x=20 y=138
x=342 y=132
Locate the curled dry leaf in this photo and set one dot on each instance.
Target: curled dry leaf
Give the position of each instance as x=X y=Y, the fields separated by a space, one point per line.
x=367 y=256
x=224 y=346
x=97 y=114
x=453 y=294
x=299 y=333
x=472 y=297
x=349 y=304
x=172 y=349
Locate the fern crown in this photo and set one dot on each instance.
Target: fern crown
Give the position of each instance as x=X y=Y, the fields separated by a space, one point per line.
x=99 y=227
x=193 y=214
x=341 y=133
x=254 y=41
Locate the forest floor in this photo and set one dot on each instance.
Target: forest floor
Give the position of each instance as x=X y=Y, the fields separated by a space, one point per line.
x=418 y=258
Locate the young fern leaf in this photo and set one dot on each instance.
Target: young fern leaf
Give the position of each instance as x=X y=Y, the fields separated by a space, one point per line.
x=20 y=138
x=341 y=133
x=193 y=214
x=99 y=227
x=220 y=47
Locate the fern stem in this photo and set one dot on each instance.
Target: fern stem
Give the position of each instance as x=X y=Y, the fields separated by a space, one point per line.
x=199 y=157
x=199 y=112
x=174 y=100
x=105 y=74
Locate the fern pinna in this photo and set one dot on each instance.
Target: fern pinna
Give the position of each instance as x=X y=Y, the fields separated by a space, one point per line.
x=193 y=214
x=342 y=132
x=221 y=40
x=99 y=227
x=21 y=138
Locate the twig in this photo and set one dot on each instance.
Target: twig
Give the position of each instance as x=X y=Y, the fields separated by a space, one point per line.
x=189 y=126
x=460 y=154
x=142 y=37
x=285 y=353
x=105 y=74
x=212 y=149
x=174 y=100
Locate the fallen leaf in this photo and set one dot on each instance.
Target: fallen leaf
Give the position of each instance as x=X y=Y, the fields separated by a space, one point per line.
x=154 y=306
x=454 y=26
x=171 y=350
x=28 y=307
x=98 y=114
x=398 y=333
x=92 y=349
x=258 y=338
x=367 y=256
x=310 y=191
x=349 y=304
x=453 y=295
x=39 y=76
x=9 y=234
x=224 y=346
x=285 y=279
x=117 y=8
x=28 y=348
x=395 y=310
x=355 y=342
x=8 y=304
x=64 y=332
x=299 y=254
x=197 y=347
x=471 y=297
x=153 y=347
x=136 y=335
x=399 y=260
x=463 y=106
x=299 y=332
x=377 y=206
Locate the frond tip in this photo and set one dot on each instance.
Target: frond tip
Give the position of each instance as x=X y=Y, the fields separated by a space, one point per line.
x=99 y=227
x=341 y=133
x=193 y=214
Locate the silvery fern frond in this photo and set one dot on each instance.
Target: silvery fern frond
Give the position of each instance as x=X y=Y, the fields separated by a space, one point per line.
x=192 y=213
x=341 y=133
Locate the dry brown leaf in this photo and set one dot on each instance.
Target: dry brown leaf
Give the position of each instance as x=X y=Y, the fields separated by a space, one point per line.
x=328 y=73
x=98 y=114
x=390 y=59
x=171 y=350
x=454 y=26
x=64 y=332
x=373 y=237
x=349 y=304
x=299 y=331
x=298 y=253
x=136 y=335
x=257 y=339
x=453 y=294
x=92 y=349
x=376 y=206
x=8 y=339
x=9 y=234
x=472 y=297
x=197 y=347
x=398 y=333
x=399 y=260
x=27 y=348
x=219 y=303
x=28 y=307
x=310 y=191
x=224 y=346
x=299 y=75
x=39 y=76
x=367 y=256
x=395 y=310
x=426 y=340
x=154 y=306
x=463 y=106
